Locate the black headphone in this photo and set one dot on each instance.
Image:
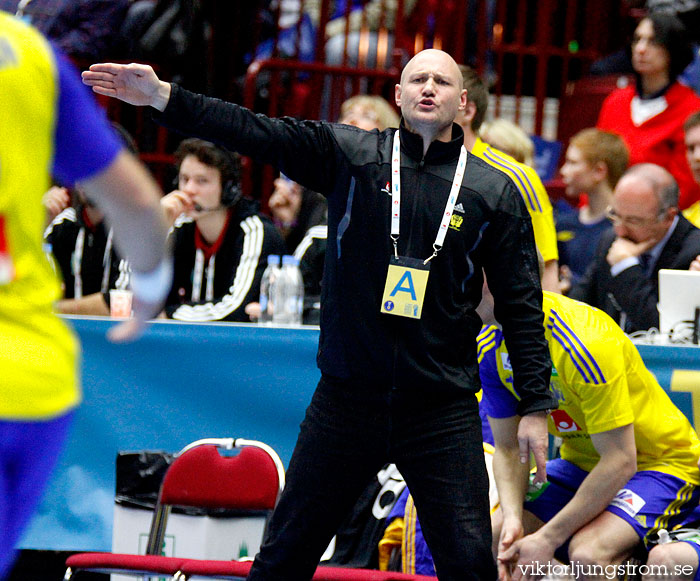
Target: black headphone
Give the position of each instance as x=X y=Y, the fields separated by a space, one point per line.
x=230 y=193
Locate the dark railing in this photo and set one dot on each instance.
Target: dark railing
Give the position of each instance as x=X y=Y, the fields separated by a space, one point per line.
x=532 y=52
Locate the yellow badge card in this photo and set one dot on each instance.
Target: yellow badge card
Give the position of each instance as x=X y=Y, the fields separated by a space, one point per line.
x=404 y=290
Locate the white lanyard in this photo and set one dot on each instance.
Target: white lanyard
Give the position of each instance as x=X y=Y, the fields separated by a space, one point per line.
x=209 y=296
x=396 y=198
x=200 y=271
x=77 y=259
x=107 y=263
x=198 y=275
x=77 y=263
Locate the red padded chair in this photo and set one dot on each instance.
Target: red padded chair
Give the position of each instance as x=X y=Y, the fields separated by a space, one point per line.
x=198 y=477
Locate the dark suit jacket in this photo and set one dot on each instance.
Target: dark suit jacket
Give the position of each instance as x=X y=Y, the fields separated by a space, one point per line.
x=631 y=291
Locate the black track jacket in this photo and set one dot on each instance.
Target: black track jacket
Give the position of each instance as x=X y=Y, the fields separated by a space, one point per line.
x=491 y=229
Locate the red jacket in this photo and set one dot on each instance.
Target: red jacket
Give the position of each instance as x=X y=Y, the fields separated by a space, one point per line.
x=659 y=139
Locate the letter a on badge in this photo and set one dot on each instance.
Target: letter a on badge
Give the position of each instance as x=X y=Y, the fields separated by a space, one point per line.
x=410 y=288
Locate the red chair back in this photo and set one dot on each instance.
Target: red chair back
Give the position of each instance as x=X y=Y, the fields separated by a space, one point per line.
x=203 y=477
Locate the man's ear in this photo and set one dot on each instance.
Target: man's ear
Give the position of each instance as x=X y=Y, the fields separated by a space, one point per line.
x=397 y=95
x=469 y=112
x=463 y=102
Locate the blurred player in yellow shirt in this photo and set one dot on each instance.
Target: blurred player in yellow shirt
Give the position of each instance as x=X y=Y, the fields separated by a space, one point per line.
x=51 y=126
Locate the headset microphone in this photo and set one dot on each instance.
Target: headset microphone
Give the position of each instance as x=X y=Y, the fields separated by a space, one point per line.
x=200 y=208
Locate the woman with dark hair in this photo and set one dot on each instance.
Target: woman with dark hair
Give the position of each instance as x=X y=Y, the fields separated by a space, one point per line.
x=649 y=115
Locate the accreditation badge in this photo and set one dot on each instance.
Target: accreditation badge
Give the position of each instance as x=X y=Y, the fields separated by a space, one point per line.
x=404 y=290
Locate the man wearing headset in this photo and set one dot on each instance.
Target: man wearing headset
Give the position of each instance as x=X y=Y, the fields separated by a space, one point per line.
x=220 y=240
x=82 y=248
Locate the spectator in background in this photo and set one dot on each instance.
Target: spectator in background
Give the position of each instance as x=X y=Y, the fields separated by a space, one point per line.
x=648 y=234
x=369 y=24
x=687 y=11
x=595 y=161
x=82 y=29
x=81 y=244
x=368 y=112
x=692 y=151
x=300 y=216
x=294 y=210
x=55 y=200
x=173 y=35
x=82 y=247
x=220 y=241
x=370 y=39
x=523 y=176
x=649 y=115
x=691 y=129
x=509 y=138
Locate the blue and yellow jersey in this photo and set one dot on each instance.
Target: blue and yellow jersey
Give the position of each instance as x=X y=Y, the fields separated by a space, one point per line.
x=601 y=383
x=49 y=125
x=532 y=190
x=404 y=531
x=692 y=214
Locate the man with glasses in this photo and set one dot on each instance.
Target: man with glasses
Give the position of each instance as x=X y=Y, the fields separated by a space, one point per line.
x=648 y=234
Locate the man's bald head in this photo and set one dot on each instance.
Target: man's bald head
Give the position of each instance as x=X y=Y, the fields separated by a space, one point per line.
x=430 y=95
x=644 y=204
x=660 y=180
x=431 y=53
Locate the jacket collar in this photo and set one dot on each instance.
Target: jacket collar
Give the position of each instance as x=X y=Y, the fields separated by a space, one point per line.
x=674 y=243
x=438 y=153
x=661 y=92
x=85 y=222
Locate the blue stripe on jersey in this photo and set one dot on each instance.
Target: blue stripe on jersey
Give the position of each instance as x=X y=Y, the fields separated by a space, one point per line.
x=576 y=350
x=583 y=349
x=472 y=249
x=518 y=174
x=345 y=220
x=566 y=345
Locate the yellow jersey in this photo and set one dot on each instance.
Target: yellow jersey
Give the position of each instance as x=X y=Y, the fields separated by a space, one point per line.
x=38 y=352
x=601 y=384
x=692 y=214
x=532 y=190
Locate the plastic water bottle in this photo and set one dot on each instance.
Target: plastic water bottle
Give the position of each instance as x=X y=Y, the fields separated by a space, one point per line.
x=288 y=293
x=267 y=285
x=47 y=247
